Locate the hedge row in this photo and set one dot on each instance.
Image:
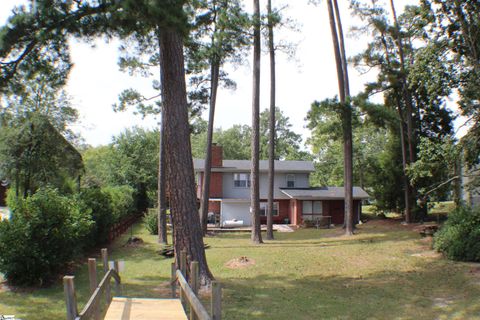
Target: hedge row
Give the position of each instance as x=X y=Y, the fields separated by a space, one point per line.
x=48 y=230
x=459 y=238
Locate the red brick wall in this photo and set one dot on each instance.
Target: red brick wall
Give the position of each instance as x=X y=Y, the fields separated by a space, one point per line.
x=216 y=183
x=295 y=212
x=214 y=206
x=217 y=156
x=283 y=212
x=333 y=208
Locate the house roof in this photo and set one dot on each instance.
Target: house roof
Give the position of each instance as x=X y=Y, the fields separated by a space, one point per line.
x=323 y=193
x=245 y=165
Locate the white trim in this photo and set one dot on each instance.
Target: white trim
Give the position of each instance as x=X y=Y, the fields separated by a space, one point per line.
x=288 y=180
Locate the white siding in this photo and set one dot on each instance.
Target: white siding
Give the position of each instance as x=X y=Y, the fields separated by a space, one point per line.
x=236 y=210
x=230 y=192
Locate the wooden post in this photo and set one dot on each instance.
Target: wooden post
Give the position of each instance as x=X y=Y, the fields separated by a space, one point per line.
x=183 y=262
x=194 y=279
x=174 y=280
x=216 y=300
x=118 y=289
x=70 y=297
x=108 y=289
x=92 y=276
x=183 y=270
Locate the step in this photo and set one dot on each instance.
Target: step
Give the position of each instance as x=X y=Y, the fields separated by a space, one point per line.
x=145 y=309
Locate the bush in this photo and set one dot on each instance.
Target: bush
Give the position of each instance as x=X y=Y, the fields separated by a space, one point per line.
x=151 y=221
x=122 y=200
x=45 y=232
x=97 y=204
x=458 y=238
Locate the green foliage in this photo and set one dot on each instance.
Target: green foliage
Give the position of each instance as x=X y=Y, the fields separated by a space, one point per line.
x=436 y=164
x=458 y=238
x=150 y=220
x=130 y=160
x=99 y=166
x=98 y=205
x=457 y=25
x=236 y=140
x=45 y=233
x=34 y=154
x=376 y=153
x=122 y=200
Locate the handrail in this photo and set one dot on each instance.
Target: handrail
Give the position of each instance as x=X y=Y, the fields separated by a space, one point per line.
x=92 y=302
x=193 y=300
x=92 y=308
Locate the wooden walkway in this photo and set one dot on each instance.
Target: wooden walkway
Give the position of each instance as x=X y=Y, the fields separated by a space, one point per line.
x=145 y=309
x=123 y=308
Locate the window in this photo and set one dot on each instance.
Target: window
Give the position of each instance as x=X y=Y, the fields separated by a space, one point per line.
x=264 y=209
x=311 y=209
x=241 y=180
x=290 y=180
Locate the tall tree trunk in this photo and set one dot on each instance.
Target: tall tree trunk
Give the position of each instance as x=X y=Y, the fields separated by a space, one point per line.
x=342 y=76
x=214 y=74
x=162 y=205
x=271 y=146
x=214 y=80
x=404 y=147
x=180 y=177
x=407 y=97
x=406 y=182
x=255 y=185
x=343 y=55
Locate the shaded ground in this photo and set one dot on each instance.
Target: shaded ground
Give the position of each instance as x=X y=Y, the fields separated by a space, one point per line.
x=386 y=271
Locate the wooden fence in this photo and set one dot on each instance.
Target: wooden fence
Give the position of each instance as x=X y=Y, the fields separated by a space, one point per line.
x=92 y=308
x=189 y=290
x=120 y=227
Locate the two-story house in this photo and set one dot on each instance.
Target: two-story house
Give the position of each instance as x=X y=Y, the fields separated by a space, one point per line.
x=294 y=200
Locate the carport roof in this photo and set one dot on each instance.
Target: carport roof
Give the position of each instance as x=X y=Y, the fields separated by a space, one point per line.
x=324 y=193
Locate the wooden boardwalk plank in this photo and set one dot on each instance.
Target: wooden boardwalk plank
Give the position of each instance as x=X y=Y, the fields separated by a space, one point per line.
x=145 y=309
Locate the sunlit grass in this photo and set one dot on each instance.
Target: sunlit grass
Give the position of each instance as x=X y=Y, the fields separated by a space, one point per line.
x=309 y=274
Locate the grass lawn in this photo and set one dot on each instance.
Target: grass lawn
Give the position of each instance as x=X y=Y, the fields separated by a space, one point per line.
x=386 y=271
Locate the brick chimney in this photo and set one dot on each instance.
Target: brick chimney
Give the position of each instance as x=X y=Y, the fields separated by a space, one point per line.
x=217 y=155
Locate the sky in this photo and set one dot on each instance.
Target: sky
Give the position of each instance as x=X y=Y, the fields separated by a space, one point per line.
x=95 y=80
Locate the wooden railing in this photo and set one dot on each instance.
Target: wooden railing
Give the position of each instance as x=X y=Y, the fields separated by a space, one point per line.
x=120 y=227
x=92 y=308
x=189 y=290
x=188 y=281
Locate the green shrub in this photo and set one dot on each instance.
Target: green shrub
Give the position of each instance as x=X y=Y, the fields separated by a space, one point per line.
x=97 y=204
x=150 y=220
x=45 y=233
x=122 y=200
x=459 y=238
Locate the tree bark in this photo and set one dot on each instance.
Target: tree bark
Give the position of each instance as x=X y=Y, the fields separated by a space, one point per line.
x=180 y=177
x=342 y=76
x=271 y=146
x=214 y=80
x=256 y=236
x=162 y=205
x=214 y=74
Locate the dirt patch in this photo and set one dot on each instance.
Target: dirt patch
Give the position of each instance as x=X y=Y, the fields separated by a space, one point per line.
x=241 y=262
x=134 y=242
x=474 y=272
x=428 y=254
x=443 y=302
